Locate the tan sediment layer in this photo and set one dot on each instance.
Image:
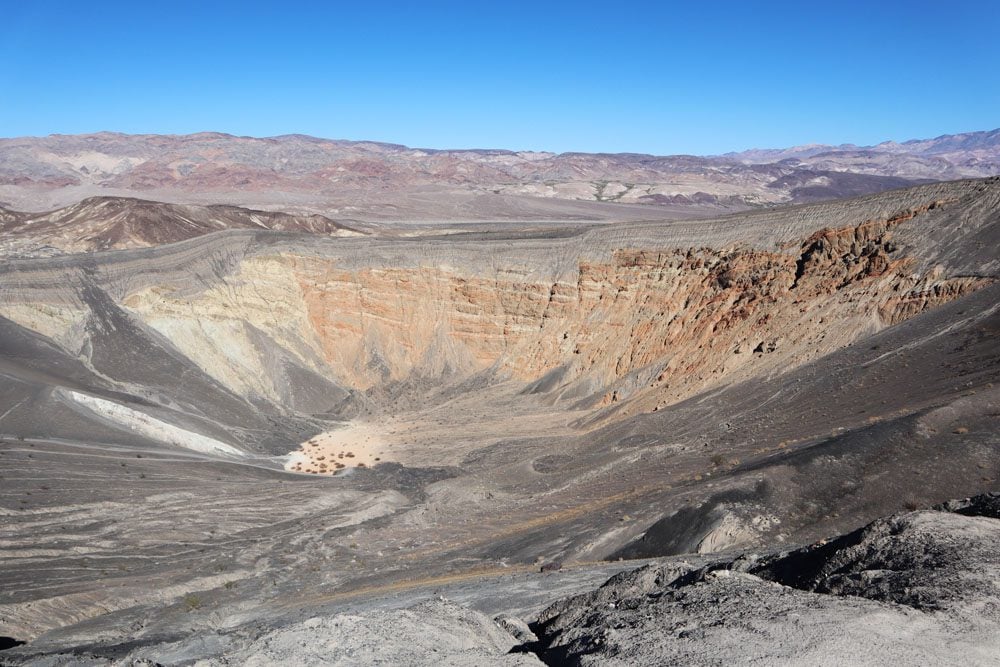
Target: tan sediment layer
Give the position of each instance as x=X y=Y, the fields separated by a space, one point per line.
x=355 y=445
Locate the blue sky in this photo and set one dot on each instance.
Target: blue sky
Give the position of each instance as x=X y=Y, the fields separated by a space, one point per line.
x=658 y=77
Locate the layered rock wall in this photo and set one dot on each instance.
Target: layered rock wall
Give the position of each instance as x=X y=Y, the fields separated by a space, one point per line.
x=637 y=312
x=661 y=324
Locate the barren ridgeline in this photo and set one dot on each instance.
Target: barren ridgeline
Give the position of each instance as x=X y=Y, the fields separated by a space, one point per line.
x=366 y=180
x=253 y=421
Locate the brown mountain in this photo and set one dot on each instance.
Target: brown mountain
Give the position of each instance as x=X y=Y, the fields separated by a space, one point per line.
x=116 y=223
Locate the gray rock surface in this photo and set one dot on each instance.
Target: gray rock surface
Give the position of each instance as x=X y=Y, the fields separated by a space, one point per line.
x=436 y=632
x=914 y=588
x=917 y=588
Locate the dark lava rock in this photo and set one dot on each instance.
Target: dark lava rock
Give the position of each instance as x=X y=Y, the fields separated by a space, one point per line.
x=916 y=588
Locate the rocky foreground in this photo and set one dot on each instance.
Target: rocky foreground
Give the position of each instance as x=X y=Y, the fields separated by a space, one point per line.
x=915 y=588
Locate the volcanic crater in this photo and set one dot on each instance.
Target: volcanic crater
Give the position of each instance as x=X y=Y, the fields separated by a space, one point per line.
x=269 y=420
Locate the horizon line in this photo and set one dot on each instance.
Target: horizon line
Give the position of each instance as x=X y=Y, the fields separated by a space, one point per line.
x=398 y=145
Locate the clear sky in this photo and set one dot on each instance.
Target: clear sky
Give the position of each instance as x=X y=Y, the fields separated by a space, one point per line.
x=658 y=77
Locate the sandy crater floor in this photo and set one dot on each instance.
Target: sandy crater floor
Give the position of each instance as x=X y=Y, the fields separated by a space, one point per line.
x=355 y=445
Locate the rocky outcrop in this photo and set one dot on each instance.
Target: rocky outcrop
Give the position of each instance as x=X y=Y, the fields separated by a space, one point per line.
x=913 y=588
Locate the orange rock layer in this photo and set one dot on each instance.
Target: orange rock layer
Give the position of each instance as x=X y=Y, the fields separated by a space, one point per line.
x=652 y=325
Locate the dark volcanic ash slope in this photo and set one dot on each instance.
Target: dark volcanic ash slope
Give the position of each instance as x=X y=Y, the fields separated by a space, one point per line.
x=635 y=389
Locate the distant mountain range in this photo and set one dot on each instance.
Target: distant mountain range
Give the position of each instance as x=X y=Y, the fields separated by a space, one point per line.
x=375 y=181
x=946 y=157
